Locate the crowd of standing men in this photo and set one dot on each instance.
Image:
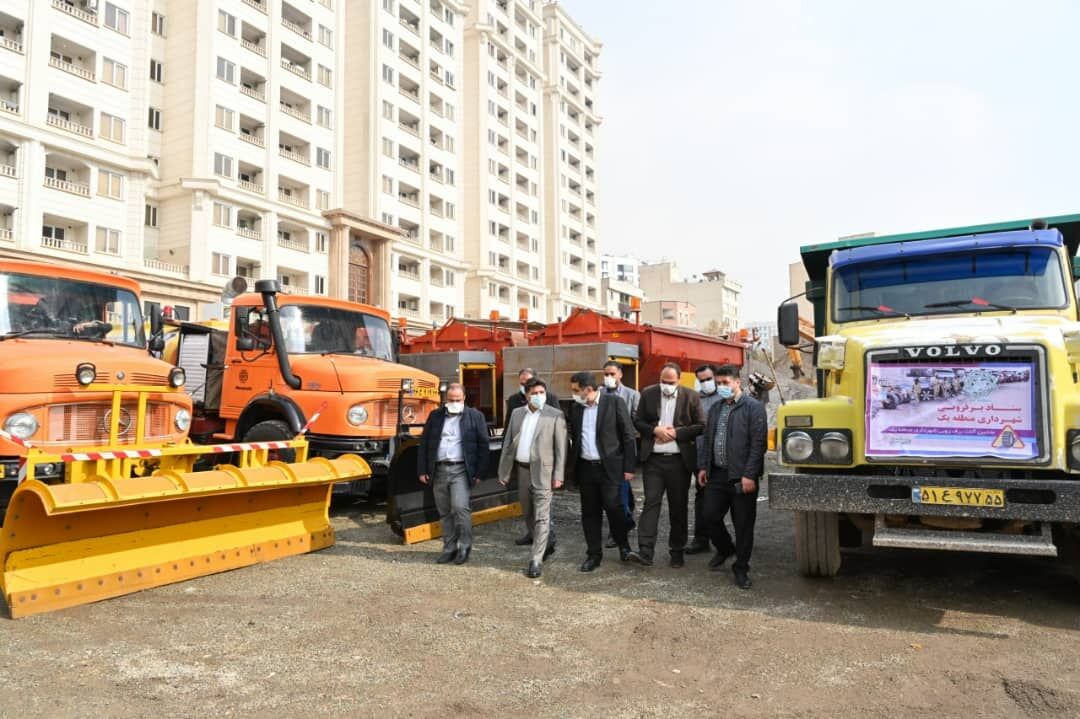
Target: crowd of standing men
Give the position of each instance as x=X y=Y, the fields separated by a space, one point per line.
x=712 y=441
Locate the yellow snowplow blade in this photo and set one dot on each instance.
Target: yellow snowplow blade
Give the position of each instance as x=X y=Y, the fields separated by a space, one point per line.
x=70 y=544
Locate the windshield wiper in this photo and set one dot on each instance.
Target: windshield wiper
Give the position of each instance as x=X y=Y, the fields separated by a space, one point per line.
x=23 y=333
x=977 y=301
x=880 y=309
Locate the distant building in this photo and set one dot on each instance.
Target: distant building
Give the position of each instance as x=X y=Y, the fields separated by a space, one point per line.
x=713 y=294
x=797 y=279
x=622 y=268
x=618 y=297
x=669 y=313
x=766 y=331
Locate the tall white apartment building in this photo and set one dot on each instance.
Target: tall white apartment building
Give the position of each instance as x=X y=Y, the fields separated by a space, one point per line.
x=503 y=155
x=570 y=129
x=404 y=112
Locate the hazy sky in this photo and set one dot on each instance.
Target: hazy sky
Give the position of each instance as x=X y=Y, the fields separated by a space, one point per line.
x=737 y=130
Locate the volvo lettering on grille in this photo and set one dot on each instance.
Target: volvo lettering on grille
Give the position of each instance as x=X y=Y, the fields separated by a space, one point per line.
x=952 y=351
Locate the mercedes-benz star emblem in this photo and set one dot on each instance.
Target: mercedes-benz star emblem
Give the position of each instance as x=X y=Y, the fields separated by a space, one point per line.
x=408 y=413
x=123 y=424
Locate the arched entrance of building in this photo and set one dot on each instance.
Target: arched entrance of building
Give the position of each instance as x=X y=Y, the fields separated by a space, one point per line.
x=359 y=272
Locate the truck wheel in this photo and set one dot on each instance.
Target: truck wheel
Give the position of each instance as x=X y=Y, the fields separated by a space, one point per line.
x=817 y=543
x=273 y=430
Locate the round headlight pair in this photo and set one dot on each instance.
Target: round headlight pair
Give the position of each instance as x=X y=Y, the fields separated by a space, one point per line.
x=357 y=415
x=833 y=447
x=177 y=377
x=182 y=420
x=21 y=425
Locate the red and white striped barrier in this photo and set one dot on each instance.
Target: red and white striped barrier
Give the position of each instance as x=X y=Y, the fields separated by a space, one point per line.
x=313 y=420
x=145 y=453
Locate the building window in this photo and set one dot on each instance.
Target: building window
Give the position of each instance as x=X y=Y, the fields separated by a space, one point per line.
x=223 y=118
x=154 y=119
x=449 y=144
x=222 y=165
x=110 y=184
x=157 y=24
x=449 y=111
x=388 y=5
x=388 y=184
x=387 y=110
x=219 y=263
x=450 y=48
x=112 y=128
x=449 y=176
x=325 y=76
x=326 y=36
x=450 y=213
x=322 y=158
x=387 y=147
x=226 y=23
x=157 y=71
x=449 y=243
x=449 y=79
x=151 y=216
x=108 y=241
x=226 y=71
x=116 y=19
x=52 y=233
x=449 y=277
x=325 y=117
x=388 y=39
x=114 y=73
x=222 y=215
x=388 y=74
x=321 y=242
x=322 y=199
x=320 y=285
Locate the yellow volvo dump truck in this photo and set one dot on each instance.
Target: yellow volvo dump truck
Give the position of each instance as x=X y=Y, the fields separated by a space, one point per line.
x=100 y=481
x=948 y=415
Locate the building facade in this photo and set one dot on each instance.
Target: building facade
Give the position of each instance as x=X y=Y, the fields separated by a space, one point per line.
x=622 y=268
x=670 y=313
x=714 y=295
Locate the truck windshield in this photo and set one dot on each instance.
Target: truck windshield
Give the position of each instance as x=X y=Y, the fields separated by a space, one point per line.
x=314 y=329
x=981 y=281
x=55 y=307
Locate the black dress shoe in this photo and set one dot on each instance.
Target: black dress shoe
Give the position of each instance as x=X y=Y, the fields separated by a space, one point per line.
x=463 y=555
x=644 y=558
x=523 y=540
x=533 y=571
x=610 y=543
x=629 y=555
x=549 y=551
x=698 y=546
x=447 y=556
x=677 y=561
x=742 y=580
x=718 y=560
x=590 y=564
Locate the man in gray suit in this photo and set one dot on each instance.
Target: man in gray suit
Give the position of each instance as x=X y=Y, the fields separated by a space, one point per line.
x=534 y=446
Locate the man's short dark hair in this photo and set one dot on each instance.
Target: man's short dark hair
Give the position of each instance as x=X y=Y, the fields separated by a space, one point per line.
x=535 y=382
x=613 y=363
x=704 y=367
x=526 y=370
x=728 y=370
x=672 y=365
x=584 y=379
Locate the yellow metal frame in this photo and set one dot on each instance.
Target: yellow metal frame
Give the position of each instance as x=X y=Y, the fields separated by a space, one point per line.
x=433 y=530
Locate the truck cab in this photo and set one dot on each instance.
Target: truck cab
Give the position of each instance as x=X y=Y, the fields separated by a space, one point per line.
x=982 y=453
x=286 y=364
x=65 y=334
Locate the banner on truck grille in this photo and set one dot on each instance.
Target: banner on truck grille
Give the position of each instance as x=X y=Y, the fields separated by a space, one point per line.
x=970 y=409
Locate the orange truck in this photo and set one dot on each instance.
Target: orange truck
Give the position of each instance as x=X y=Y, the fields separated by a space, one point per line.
x=285 y=364
x=63 y=330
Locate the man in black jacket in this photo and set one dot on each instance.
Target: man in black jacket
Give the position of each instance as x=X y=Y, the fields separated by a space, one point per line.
x=453 y=456
x=602 y=459
x=517 y=399
x=736 y=434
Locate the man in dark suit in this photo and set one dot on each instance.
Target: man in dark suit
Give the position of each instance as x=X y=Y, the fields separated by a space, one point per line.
x=602 y=459
x=736 y=436
x=518 y=399
x=669 y=418
x=453 y=455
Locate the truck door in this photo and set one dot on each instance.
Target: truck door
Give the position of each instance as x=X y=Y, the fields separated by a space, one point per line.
x=479 y=383
x=251 y=368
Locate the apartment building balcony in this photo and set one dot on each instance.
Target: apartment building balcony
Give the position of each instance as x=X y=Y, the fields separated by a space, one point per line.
x=408 y=195
x=502 y=145
x=249 y=233
x=502 y=116
x=437 y=206
x=291 y=62
x=168 y=268
x=437 y=277
x=80 y=9
x=409 y=305
x=293 y=282
x=522 y=156
x=293 y=237
x=11 y=35
x=521 y=212
x=436 y=172
x=73 y=58
x=253 y=92
x=411 y=229
x=7 y=219
x=437 y=241
x=409 y=122
x=502 y=233
x=10 y=94
x=249 y=177
x=295 y=105
x=8 y=159
x=409 y=268
x=436 y=105
x=409 y=88
x=293 y=148
x=295 y=20
x=295 y=194
x=521 y=129
x=252 y=84
x=409 y=20
x=437 y=138
x=408 y=159
x=437 y=312
x=259 y=5
x=66 y=174
x=253 y=39
x=435 y=72
x=65 y=234
x=252 y=139
x=409 y=54
x=248 y=225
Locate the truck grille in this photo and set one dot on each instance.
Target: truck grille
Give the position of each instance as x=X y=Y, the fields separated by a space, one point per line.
x=68 y=381
x=88 y=422
x=393 y=385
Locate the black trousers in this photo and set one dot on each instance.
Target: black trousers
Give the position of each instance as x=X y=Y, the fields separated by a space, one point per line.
x=720 y=497
x=701 y=524
x=664 y=474
x=600 y=495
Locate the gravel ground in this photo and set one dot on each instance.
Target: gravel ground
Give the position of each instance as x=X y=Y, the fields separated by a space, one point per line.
x=373 y=626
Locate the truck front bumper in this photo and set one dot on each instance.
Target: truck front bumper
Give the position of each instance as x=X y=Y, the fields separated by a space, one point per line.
x=1035 y=500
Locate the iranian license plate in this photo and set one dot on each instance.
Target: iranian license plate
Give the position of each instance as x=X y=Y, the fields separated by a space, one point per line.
x=960 y=496
x=425 y=393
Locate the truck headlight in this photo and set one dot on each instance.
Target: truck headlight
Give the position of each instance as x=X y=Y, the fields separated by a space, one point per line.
x=182 y=420
x=1072 y=345
x=21 y=425
x=85 y=374
x=177 y=377
x=834 y=447
x=357 y=415
x=1074 y=448
x=831 y=350
x=798 y=446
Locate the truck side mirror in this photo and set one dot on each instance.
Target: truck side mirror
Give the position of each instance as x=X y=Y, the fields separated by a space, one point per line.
x=156 y=343
x=787 y=324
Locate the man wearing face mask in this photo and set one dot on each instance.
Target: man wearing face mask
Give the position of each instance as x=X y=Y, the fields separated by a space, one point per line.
x=534 y=447
x=518 y=399
x=669 y=418
x=706 y=377
x=736 y=434
x=613 y=386
x=454 y=453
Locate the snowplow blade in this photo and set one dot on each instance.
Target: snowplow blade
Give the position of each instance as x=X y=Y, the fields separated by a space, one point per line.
x=70 y=544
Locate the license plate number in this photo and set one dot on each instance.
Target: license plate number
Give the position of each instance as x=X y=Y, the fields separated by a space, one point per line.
x=425 y=393
x=959 y=496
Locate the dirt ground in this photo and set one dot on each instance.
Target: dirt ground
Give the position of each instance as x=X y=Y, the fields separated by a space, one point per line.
x=373 y=627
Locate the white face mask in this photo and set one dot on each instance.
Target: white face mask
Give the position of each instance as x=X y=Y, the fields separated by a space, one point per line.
x=455 y=407
x=523 y=389
x=668 y=389
x=580 y=399
x=537 y=400
x=708 y=386
x=610 y=382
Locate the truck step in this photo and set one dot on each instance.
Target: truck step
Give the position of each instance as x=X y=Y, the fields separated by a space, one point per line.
x=1041 y=545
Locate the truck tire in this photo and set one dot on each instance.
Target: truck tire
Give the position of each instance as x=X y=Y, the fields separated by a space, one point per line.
x=817 y=543
x=273 y=430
